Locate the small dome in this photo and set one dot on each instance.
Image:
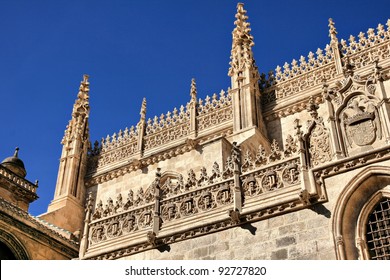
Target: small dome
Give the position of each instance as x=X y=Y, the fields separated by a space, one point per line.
x=15 y=164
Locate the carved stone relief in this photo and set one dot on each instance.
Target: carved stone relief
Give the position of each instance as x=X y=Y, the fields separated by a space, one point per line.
x=360 y=122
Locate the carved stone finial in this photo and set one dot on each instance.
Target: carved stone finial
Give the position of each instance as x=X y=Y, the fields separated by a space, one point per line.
x=193 y=91
x=36 y=182
x=332 y=31
x=16 y=153
x=143 y=110
x=241 y=53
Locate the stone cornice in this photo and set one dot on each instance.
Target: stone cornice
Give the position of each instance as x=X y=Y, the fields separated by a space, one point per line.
x=49 y=234
x=23 y=187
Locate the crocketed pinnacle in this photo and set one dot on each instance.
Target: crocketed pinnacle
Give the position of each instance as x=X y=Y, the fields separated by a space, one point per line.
x=78 y=125
x=143 y=110
x=193 y=91
x=81 y=106
x=332 y=31
x=241 y=53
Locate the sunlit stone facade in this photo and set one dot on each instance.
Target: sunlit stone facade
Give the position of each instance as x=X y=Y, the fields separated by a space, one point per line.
x=290 y=165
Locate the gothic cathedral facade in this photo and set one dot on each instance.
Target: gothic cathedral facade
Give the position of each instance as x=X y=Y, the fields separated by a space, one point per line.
x=290 y=165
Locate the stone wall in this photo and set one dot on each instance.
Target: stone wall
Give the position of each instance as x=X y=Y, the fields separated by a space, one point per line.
x=303 y=234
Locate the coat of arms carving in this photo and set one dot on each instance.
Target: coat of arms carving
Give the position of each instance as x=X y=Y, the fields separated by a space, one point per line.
x=361 y=122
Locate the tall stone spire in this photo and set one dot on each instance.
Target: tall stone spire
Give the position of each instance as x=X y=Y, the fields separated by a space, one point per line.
x=78 y=125
x=67 y=205
x=244 y=78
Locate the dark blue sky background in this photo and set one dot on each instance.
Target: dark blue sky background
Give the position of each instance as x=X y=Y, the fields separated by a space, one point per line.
x=135 y=49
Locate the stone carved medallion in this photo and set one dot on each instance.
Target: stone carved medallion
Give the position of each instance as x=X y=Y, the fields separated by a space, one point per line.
x=206 y=201
x=169 y=212
x=271 y=181
x=97 y=234
x=361 y=122
x=188 y=207
x=224 y=195
x=113 y=229
x=145 y=219
x=290 y=174
x=129 y=224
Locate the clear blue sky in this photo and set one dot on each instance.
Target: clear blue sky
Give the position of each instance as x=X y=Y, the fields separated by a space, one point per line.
x=135 y=49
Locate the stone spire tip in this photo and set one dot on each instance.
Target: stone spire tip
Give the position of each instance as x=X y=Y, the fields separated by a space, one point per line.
x=332 y=30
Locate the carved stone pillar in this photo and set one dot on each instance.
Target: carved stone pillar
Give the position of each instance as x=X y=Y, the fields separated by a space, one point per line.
x=141 y=128
x=84 y=239
x=157 y=196
x=236 y=158
x=384 y=105
x=192 y=108
x=336 y=141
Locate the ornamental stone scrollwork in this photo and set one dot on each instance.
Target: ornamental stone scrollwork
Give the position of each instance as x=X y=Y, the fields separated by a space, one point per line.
x=247 y=163
x=261 y=157
x=229 y=168
x=119 y=205
x=172 y=186
x=191 y=180
x=317 y=137
x=360 y=121
x=206 y=201
x=203 y=179
x=291 y=146
x=319 y=148
x=109 y=208
x=98 y=211
x=140 y=197
x=130 y=200
x=275 y=153
x=215 y=174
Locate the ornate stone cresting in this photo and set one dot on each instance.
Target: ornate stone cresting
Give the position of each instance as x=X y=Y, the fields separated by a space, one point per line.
x=304 y=76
